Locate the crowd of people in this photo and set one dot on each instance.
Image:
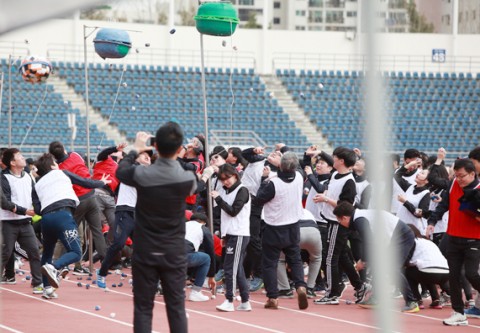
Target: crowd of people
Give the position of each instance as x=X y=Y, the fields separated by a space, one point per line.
x=274 y=216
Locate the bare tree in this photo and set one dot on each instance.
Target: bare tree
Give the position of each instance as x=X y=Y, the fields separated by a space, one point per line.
x=162 y=18
x=418 y=22
x=98 y=13
x=187 y=16
x=252 y=21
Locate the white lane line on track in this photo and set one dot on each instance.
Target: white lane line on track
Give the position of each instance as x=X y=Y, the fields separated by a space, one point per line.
x=195 y=311
x=242 y=323
x=69 y=308
x=9 y=329
x=437 y=319
x=288 y=309
x=325 y=317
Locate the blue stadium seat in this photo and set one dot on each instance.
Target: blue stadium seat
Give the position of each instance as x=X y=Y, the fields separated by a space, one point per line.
x=176 y=94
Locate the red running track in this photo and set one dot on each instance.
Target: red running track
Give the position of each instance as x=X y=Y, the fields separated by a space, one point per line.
x=74 y=311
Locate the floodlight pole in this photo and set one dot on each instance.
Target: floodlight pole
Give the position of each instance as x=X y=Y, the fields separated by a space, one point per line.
x=205 y=124
x=10 y=101
x=85 y=36
x=85 y=60
x=87 y=120
x=1 y=89
x=1 y=92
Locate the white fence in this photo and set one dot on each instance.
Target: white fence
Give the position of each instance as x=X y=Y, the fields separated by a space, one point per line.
x=411 y=63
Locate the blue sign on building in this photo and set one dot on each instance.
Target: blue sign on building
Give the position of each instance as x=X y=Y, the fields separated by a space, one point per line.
x=439 y=55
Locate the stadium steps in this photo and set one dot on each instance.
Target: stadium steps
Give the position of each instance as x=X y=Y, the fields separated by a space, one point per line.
x=77 y=102
x=274 y=85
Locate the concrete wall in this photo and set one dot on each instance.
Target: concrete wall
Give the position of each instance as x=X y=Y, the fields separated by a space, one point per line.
x=264 y=50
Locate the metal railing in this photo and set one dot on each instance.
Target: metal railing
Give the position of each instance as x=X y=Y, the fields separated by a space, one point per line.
x=411 y=63
x=240 y=59
x=235 y=138
x=14 y=49
x=157 y=56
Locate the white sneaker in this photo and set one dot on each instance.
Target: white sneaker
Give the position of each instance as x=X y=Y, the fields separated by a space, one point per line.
x=244 y=306
x=226 y=306
x=197 y=296
x=456 y=319
x=51 y=273
x=49 y=293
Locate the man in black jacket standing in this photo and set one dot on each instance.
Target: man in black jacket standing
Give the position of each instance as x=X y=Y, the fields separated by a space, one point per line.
x=159 y=248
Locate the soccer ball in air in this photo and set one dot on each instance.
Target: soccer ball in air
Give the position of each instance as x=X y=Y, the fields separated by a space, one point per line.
x=35 y=69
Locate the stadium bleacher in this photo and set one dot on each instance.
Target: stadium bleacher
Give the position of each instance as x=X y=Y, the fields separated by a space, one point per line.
x=426 y=110
x=149 y=96
x=52 y=120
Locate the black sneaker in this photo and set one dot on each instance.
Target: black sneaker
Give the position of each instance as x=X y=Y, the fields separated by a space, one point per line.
x=327 y=300
x=81 y=271
x=311 y=293
x=285 y=293
x=362 y=292
x=116 y=266
x=8 y=280
x=127 y=263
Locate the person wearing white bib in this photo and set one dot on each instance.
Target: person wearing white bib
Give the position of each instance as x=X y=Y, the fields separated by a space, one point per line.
x=57 y=203
x=396 y=233
x=235 y=204
x=124 y=223
x=16 y=214
x=408 y=156
x=323 y=170
x=428 y=267
x=341 y=187
x=416 y=200
x=281 y=195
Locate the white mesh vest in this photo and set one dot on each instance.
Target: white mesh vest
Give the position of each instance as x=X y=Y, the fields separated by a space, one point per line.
x=286 y=207
x=53 y=187
x=21 y=195
x=396 y=190
x=407 y=217
x=315 y=208
x=335 y=188
x=442 y=224
x=235 y=225
x=360 y=186
x=390 y=221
